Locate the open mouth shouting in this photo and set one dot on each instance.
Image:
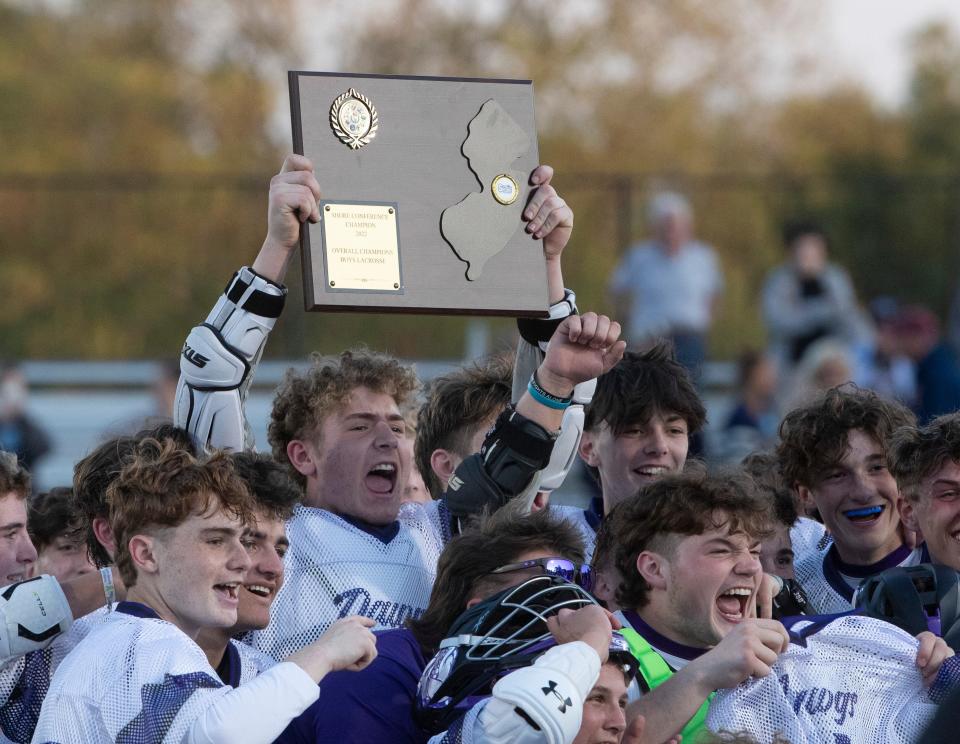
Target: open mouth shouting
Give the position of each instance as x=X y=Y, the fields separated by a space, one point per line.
x=382 y=478
x=228 y=593
x=865 y=516
x=732 y=603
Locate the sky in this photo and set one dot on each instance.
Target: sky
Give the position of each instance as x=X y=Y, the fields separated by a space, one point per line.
x=867 y=38
x=863 y=40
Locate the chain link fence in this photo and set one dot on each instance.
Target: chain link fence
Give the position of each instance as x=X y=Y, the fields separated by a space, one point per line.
x=101 y=266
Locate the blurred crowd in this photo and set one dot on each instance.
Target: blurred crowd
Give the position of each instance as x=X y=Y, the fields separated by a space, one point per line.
x=819 y=333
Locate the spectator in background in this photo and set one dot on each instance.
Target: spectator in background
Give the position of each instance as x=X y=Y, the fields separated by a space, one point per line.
x=953 y=322
x=880 y=363
x=668 y=286
x=59 y=534
x=938 y=374
x=825 y=364
x=752 y=424
x=18 y=432
x=163 y=392
x=807 y=298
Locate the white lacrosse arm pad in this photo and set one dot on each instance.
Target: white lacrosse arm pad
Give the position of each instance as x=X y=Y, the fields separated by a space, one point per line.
x=568 y=441
x=529 y=357
x=218 y=360
x=551 y=694
x=32 y=614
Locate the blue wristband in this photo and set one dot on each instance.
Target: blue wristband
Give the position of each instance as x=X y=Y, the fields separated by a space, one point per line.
x=544 y=398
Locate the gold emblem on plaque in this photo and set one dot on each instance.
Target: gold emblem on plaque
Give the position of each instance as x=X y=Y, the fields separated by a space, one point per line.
x=505 y=190
x=353 y=118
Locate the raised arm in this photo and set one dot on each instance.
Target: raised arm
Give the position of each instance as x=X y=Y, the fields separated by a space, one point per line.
x=220 y=355
x=557 y=361
x=549 y=218
x=521 y=442
x=259 y=710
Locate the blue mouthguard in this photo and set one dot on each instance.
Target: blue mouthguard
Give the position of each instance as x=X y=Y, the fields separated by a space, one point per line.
x=867 y=511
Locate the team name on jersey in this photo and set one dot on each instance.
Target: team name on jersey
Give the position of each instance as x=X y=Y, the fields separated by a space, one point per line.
x=357 y=601
x=819 y=700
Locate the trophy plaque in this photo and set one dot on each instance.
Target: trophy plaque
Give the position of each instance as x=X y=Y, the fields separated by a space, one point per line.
x=424 y=180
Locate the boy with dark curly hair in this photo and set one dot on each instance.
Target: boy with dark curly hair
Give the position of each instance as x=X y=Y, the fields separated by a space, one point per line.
x=833 y=452
x=686 y=557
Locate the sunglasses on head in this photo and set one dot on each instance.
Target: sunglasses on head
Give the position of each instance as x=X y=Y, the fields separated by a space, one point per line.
x=581 y=575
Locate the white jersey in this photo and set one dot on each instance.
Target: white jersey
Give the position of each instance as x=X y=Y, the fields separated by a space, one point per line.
x=846 y=680
x=24 y=681
x=829 y=583
x=249 y=661
x=137 y=679
x=807 y=536
x=132 y=679
x=336 y=568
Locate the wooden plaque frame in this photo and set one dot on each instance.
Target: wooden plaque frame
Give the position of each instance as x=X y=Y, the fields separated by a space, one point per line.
x=415 y=161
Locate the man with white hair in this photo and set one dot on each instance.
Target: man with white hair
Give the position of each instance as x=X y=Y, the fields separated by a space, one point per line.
x=667 y=287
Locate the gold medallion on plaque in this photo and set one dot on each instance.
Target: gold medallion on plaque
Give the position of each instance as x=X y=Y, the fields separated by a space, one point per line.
x=353 y=118
x=505 y=190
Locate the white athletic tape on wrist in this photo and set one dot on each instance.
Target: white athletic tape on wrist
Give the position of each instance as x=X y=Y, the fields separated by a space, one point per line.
x=109 y=590
x=560 y=310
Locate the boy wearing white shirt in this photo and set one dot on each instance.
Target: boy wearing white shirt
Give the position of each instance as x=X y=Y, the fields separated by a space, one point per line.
x=140 y=676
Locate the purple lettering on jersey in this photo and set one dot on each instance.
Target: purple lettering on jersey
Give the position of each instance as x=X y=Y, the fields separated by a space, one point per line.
x=345 y=602
x=356 y=601
x=817 y=700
